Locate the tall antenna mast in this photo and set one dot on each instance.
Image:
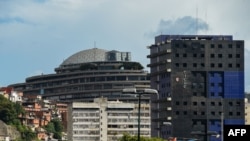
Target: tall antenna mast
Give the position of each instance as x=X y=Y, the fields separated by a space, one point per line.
x=206 y=20
x=196 y=26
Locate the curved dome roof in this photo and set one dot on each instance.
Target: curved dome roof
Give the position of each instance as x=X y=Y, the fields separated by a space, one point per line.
x=89 y=55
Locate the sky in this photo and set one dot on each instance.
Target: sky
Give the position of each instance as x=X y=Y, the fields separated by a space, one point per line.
x=36 y=36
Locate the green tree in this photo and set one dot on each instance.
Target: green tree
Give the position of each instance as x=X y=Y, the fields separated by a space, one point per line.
x=132 y=66
x=7 y=110
x=127 y=137
x=55 y=126
x=50 y=127
x=58 y=125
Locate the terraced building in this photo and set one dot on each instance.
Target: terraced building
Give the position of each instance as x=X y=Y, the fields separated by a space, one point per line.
x=89 y=74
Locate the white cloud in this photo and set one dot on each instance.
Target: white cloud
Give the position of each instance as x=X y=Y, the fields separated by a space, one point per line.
x=183 y=25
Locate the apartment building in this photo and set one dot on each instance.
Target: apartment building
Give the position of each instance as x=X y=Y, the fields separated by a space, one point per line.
x=247 y=111
x=200 y=79
x=104 y=120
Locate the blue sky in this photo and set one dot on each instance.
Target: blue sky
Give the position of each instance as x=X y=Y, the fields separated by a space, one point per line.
x=37 y=35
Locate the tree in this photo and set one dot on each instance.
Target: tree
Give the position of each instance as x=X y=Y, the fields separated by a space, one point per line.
x=55 y=126
x=127 y=137
x=50 y=127
x=132 y=66
x=58 y=125
x=7 y=110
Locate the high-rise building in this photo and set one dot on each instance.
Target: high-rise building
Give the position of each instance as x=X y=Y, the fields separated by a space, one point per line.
x=200 y=79
x=104 y=120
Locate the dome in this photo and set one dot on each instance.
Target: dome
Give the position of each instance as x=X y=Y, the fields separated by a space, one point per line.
x=89 y=55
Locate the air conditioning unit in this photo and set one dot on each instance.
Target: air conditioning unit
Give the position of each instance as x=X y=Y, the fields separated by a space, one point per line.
x=169 y=99
x=169 y=108
x=168 y=70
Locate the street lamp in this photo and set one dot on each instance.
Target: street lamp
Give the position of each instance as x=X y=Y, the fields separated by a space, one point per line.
x=222 y=118
x=139 y=93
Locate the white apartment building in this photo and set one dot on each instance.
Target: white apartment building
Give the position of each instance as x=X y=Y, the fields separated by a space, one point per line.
x=104 y=120
x=247 y=112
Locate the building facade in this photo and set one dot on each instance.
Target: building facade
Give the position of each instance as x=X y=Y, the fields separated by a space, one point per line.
x=89 y=74
x=104 y=120
x=200 y=79
x=247 y=111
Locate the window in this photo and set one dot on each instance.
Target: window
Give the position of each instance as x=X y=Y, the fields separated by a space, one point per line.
x=238 y=46
x=176 y=55
x=202 y=55
x=202 y=64
x=237 y=55
x=177 y=112
x=212 y=103
x=230 y=55
x=185 y=103
x=121 y=77
x=194 y=93
x=177 y=64
x=185 y=55
x=195 y=103
x=212 y=65
x=194 y=65
x=110 y=78
x=220 y=103
x=184 y=64
x=195 y=113
x=177 y=103
x=230 y=65
x=230 y=46
x=212 y=45
x=220 y=46
x=203 y=103
x=195 y=55
x=238 y=65
x=212 y=55
x=220 y=65
x=238 y=103
x=220 y=55
x=212 y=93
x=184 y=112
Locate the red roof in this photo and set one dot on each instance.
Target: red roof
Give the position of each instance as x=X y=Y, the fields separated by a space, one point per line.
x=6 y=89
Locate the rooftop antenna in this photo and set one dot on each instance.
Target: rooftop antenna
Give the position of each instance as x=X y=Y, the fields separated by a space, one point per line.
x=196 y=26
x=206 y=20
x=94 y=51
